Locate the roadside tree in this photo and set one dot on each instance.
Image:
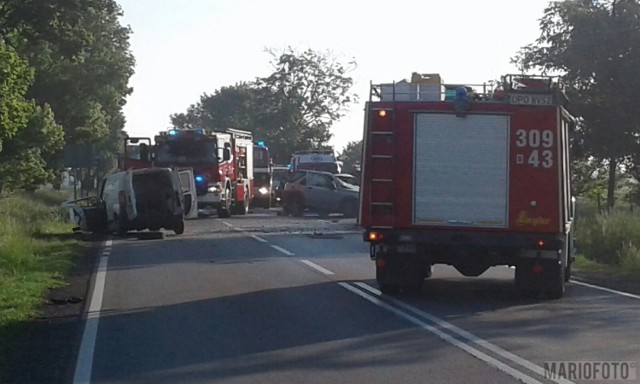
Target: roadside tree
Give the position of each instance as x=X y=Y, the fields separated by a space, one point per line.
x=595 y=46
x=291 y=109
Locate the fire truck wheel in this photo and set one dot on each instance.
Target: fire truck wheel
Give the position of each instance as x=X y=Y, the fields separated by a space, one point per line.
x=555 y=289
x=244 y=208
x=224 y=209
x=567 y=273
x=389 y=289
x=525 y=281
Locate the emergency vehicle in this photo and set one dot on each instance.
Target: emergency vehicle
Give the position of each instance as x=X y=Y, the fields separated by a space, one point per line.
x=316 y=160
x=222 y=163
x=474 y=179
x=263 y=194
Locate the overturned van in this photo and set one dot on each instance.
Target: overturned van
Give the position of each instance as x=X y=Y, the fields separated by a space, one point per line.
x=148 y=198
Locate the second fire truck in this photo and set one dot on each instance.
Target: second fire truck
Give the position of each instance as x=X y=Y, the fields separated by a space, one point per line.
x=222 y=163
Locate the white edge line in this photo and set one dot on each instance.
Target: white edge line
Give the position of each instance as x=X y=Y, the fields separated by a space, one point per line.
x=625 y=294
x=317 y=267
x=84 y=364
x=227 y=224
x=445 y=337
x=464 y=334
x=282 y=250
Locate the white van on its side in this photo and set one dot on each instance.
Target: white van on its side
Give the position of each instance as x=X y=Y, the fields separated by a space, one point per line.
x=148 y=198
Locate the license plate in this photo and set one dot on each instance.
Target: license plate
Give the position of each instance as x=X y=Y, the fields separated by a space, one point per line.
x=525 y=99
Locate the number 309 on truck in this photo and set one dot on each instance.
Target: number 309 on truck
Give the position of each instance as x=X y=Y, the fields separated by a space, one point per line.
x=468 y=178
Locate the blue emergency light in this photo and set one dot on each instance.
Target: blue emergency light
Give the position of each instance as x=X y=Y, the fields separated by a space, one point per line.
x=261 y=143
x=199 y=179
x=173 y=132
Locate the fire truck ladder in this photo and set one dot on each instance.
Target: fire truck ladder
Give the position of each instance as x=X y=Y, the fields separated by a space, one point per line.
x=382 y=185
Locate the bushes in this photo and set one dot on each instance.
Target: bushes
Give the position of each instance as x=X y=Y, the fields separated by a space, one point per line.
x=612 y=239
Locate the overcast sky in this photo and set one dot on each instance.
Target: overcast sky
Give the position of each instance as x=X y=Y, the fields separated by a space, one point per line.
x=185 y=48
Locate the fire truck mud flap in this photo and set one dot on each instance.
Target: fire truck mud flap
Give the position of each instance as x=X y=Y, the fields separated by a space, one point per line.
x=400 y=272
x=540 y=276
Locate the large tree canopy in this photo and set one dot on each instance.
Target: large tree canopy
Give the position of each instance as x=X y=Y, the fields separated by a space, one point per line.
x=29 y=132
x=80 y=57
x=595 y=46
x=15 y=78
x=351 y=157
x=291 y=109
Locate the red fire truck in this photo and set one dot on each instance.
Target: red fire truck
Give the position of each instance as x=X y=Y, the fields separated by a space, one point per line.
x=222 y=163
x=472 y=179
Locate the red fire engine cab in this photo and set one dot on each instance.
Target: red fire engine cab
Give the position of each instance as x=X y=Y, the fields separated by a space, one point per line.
x=472 y=179
x=222 y=163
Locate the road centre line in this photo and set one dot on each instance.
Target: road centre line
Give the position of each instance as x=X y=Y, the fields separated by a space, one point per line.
x=462 y=333
x=444 y=336
x=317 y=267
x=84 y=363
x=282 y=250
x=625 y=294
x=260 y=239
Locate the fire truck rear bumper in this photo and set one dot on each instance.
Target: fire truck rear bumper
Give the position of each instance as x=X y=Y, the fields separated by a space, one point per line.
x=445 y=246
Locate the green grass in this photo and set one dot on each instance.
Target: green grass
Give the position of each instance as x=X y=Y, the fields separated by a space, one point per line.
x=611 y=239
x=35 y=252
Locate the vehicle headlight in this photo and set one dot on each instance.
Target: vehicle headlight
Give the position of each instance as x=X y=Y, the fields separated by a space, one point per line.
x=263 y=190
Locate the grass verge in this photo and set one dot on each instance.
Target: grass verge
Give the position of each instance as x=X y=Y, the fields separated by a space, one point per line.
x=36 y=253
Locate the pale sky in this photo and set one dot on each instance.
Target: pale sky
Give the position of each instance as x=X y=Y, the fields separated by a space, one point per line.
x=185 y=48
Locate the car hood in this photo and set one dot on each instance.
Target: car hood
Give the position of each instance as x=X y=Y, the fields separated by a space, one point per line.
x=351 y=188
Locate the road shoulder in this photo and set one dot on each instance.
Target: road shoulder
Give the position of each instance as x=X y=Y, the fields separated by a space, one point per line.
x=47 y=346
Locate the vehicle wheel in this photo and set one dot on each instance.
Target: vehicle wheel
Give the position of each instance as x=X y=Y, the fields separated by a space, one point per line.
x=567 y=273
x=349 y=208
x=120 y=223
x=389 y=289
x=556 y=287
x=178 y=229
x=412 y=289
x=285 y=209
x=296 y=207
x=524 y=283
x=224 y=209
x=245 y=205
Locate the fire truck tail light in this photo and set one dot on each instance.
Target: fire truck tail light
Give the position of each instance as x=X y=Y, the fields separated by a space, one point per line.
x=540 y=243
x=382 y=113
x=374 y=236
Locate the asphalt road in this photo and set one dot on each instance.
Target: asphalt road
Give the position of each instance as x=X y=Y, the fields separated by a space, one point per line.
x=269 y=299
